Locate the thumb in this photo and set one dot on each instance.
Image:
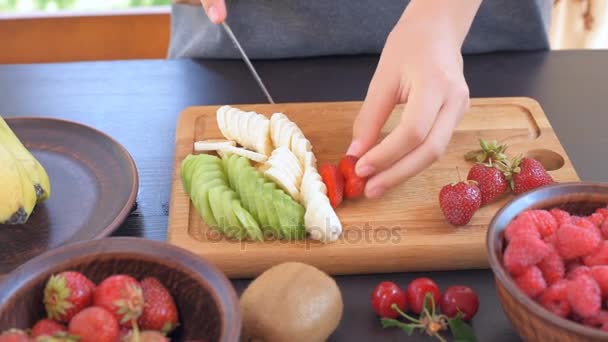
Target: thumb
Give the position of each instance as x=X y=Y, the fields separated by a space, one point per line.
x=215 y=10
x=382 y=96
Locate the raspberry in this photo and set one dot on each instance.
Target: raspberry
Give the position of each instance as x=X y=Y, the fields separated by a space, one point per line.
x=584 y=296
x=555 y=298
x=596 y=218
x=579 y=271
x=542 y=220
x=552 y=266
x=604 y=229
x=520 y=227
x=574 y=241
x=600 y=274
x=583 y=222
x=560 y=216
x=531 y=282
x=603 y=212
x=598 y=257
x=597 y=320
x=550 y=240
x=524 y=252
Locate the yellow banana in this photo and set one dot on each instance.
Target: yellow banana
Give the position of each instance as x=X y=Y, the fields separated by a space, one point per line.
x=34 y=170
x=17 y=197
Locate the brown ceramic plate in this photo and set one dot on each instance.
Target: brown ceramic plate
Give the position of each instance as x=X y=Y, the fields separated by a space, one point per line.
x=93 y=188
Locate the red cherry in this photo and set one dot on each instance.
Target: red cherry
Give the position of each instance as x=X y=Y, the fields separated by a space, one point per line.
x=386 y=294
x=461 y=298
x=416 y=291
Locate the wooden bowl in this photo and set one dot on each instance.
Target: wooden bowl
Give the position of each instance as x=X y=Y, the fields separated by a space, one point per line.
x=531 y=320
x=207 y=302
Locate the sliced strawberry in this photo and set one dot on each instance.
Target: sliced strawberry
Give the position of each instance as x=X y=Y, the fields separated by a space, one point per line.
x=347 y=166
x=334 y=181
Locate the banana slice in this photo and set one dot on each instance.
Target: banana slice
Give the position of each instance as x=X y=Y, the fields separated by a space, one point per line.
x=277 y=123
x=281 y=179
x=256 y=157
x=288 y=157
x=321 y=221
x=300 y=145
x=243 y=121
x=232 y=121
x=212 y=144
x=290 y=174
x=221 y=120
x=287 y=131
x=310 y=160
x=310 y=175
x=310 y=190
x=261 y=131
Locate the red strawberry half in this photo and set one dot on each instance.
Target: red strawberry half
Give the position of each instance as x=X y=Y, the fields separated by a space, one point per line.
x=66 y=293
x=122 y=296
x=491 y=181
x=334 y=181
x=459 y=202
x=160 y=311
x=354 y=186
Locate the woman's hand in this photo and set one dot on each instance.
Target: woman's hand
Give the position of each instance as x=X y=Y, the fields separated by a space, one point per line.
x=421 y=65
x=216 y=10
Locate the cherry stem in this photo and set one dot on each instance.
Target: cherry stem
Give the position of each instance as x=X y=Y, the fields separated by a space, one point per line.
x=440 y=338
x=396 y=308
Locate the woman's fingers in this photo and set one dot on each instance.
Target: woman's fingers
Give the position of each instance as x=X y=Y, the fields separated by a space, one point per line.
x=420 y=112
x=425 y=154
x=382 y=96
x=216 y=10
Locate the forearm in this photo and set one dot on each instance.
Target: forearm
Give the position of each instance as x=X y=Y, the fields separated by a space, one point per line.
x=446 y=17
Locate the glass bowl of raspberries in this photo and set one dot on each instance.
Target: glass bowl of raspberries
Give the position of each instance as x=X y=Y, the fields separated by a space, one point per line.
x=548 y=249
x=118 y=289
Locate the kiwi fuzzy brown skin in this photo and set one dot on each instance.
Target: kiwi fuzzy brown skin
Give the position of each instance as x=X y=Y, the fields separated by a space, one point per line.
x=291 y=301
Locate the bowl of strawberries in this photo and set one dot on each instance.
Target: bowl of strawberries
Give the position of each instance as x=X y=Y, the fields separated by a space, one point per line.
x=548 y=249
x=118 y=289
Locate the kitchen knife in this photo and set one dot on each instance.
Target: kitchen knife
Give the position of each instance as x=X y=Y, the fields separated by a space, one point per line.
x=247 y=61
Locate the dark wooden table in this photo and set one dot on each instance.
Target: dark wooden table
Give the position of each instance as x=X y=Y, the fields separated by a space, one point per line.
x=138 y=102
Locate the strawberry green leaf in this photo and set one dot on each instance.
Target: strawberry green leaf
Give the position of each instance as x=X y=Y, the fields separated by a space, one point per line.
x=388 y=322
x=461 y=331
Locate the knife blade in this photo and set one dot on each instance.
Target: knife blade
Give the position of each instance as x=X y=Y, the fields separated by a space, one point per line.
x=248 y=62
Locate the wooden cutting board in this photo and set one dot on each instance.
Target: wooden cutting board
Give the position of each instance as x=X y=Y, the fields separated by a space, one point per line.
x=402 y=231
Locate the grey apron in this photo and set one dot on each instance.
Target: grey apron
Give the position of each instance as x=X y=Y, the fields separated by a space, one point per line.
x=270 y=29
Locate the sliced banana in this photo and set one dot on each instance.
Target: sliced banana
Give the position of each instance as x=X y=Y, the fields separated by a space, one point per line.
x=289 y=160
x=232 y=123
x=221 y=120
x=321 y=221
x=256 y=157
x=310 y=190
x=212 y=145
x=288 y=130
x=291 y=175
x=300 y=145
x=281 y=179
x=277 y=125
x=310 y=160
x=244 y=131
x=263 y=142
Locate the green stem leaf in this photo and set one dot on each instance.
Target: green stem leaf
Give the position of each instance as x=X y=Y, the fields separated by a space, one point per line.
x=461 y=331
x=389 y=322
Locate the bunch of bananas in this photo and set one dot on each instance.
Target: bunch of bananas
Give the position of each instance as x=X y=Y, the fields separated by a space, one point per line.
x=23 y=180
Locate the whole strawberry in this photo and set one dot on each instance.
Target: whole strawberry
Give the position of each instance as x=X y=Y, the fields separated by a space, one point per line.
x=66 y=293
x=160 y=311
x=47 y=327
x=491 y=181
x=15 y=335
x=122 y=296
x=528 y=174
x=95 y=324
x=459 y=202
